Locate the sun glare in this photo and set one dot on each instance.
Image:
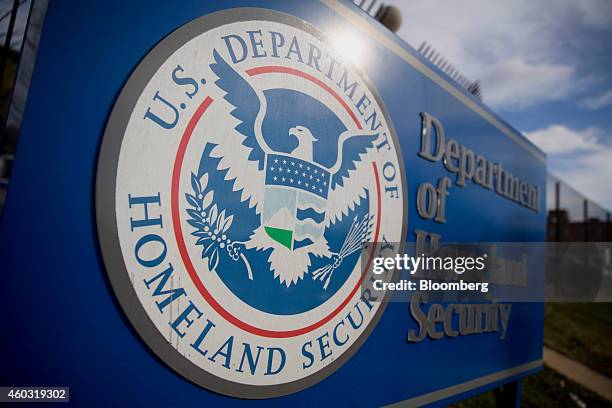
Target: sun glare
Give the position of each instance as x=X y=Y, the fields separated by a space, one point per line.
x=348 y=45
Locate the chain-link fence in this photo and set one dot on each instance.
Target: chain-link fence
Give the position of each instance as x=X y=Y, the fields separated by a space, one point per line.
x=574 y=218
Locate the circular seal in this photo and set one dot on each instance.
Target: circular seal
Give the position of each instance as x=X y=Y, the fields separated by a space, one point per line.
x=243 y=166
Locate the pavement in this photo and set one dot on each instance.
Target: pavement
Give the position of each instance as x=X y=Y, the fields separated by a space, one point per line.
x=579 y=373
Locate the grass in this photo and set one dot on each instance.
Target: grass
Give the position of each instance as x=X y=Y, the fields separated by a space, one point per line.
x=545 y=389
x=581 y=331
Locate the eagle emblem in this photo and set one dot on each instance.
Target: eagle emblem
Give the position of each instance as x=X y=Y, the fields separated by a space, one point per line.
x=293 y=172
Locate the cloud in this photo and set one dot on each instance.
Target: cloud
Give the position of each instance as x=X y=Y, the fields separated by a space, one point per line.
x=590 y=174
x=558 y=139
x=515 y=83
x=523 y=51
x=596 y=14
x=579 y=158
x=597 y=102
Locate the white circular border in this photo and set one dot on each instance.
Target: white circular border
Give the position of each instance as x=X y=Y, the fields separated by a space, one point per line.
x=106 y=215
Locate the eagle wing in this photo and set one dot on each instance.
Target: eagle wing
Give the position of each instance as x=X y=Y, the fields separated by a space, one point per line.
x=347 y=187
x=242 y=152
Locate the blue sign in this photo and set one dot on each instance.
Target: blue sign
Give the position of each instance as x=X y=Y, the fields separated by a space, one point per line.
x=192 y=191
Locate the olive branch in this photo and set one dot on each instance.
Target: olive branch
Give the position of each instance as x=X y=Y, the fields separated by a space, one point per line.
x=212 y=226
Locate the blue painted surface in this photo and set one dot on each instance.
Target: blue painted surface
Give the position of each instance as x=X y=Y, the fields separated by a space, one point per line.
x=62 y=324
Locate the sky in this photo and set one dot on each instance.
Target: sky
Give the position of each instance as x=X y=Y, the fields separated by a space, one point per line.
x=545 y=67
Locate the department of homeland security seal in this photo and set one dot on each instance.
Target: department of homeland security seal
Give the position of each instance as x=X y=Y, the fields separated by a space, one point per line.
x=242 y=167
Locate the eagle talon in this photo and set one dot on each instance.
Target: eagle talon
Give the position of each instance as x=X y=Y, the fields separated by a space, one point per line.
x=234 y=249
x=337 y=258
x=325 y=271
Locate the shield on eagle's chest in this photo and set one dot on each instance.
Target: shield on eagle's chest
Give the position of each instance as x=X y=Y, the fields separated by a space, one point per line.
x=294 y=201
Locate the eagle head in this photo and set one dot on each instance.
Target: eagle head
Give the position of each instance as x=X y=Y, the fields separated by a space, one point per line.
x=303 y=134
x=304 y=149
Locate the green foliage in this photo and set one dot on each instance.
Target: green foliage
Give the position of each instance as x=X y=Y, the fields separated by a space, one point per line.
x=545 y=389
x=581 y=331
